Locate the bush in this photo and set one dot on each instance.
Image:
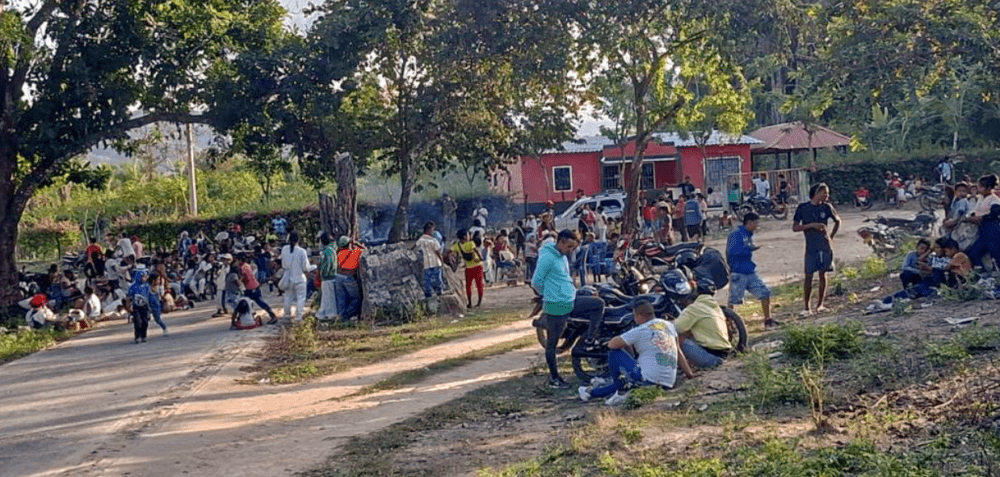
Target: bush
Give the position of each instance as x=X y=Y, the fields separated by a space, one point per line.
x=774 y=386
x=831 y=341
x=24 y=342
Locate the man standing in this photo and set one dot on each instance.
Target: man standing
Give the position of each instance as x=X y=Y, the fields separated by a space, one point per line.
x=693 y=218
x=687 y=188
x=280 y=227
x=655 y=342
x=346 y=281
x=811 y=219
x=327 y=274
x=480 y=214
x=448 y=209
x=431 y=249
x=761 y=186
x=945 y=170
x=739 y=254
x=553 y=281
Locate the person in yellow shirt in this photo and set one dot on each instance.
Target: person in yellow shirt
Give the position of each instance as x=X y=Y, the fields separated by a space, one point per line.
x=473 y=265
x=702 y=328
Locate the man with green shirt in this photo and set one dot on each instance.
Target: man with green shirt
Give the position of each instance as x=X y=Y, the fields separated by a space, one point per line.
x=552 y=280
x=327 y=272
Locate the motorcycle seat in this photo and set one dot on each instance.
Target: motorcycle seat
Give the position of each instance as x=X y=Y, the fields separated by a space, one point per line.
x=672 y=250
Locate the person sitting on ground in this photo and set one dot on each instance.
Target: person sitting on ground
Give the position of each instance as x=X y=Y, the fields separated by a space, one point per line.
x=92 y=307
x=658 y=352
x=911 y=273
x=948 y=266
x=725 y=220
x=244 y=317
x=704 y=335
x=40 y=315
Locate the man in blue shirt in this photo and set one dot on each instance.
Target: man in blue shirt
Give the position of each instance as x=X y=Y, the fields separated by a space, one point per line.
x=739 y=254
x=693 y=218
x=811 y=218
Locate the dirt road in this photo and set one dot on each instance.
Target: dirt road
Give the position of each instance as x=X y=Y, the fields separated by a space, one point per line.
x=100 y=405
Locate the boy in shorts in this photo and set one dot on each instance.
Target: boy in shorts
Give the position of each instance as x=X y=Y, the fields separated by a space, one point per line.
x=739 y=254
x=811 y=219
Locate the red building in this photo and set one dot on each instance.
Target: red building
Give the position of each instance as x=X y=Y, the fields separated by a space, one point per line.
x=594 y=164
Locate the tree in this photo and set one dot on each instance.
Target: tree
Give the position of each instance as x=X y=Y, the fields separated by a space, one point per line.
x=659 y=51
x=76 y=74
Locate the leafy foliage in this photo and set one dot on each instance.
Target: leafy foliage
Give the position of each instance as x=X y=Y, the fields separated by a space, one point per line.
x=829 y=341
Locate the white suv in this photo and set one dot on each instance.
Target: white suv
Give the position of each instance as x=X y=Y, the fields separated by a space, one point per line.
x=613 y=203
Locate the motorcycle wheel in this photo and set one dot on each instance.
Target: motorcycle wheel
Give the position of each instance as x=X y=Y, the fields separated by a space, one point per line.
x=779 y=211
x=744 y=210
x=737 y=330
x=540 y=334
x=590 y=368
x=928 y=203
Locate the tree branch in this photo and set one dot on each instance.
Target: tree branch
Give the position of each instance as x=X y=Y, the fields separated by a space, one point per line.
x=27 y=185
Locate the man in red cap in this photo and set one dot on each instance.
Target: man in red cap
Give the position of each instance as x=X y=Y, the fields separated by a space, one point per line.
x=40 y=314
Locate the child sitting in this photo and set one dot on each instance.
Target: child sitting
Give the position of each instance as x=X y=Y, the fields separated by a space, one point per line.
x=725 y=220
x=911 y=273
x=243 y=316
x=949 y=267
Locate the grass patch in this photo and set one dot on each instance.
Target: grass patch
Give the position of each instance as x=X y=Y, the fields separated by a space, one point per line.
x=968 y=341
x=308 y=350
x=20 y=343
x=830 y=341
x=773 y=386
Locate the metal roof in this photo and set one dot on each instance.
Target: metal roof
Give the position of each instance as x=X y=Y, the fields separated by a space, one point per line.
x=583 y=144
x=794 y=137
x=717 y=138
x=597 y=143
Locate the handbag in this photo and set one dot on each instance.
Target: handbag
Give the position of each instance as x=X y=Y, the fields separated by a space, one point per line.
x=966 y=234
x=285 y=283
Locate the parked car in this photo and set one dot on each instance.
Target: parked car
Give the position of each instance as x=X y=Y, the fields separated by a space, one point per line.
x=613 y=203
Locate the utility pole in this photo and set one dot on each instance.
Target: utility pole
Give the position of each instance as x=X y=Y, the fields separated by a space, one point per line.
x=193 y=183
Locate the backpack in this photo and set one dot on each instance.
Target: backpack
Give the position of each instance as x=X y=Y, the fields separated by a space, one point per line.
x=139 y=300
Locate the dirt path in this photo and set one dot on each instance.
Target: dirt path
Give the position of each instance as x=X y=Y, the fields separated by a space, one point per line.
x=99 y=405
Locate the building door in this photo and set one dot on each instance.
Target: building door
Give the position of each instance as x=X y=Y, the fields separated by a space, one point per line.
x=718 y=170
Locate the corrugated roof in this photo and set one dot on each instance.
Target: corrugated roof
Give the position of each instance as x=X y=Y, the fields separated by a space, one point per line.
x=717 y=138
x=794 y=137
x=597 y=143
x=583 y=144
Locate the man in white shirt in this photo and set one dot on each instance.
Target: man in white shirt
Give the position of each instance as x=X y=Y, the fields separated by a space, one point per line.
x=431 y=249
x=480 y=213
x=125 y=245
x=659 y=354
x=761 y=186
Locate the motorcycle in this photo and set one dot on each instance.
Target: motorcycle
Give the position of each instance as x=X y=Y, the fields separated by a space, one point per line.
x=880 y=238
x=921 y=224
x=931 y=198
x=763 y=206
x=863 y=198
x=673 y=289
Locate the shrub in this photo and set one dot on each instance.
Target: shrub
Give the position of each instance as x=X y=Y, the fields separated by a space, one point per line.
x=774 y=386
x=829 y=341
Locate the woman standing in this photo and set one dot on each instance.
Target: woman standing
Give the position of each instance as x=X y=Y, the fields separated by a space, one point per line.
x=295 y=263
x=987 y=215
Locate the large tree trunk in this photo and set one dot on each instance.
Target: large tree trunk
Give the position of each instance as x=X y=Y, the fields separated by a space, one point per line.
x=9 y=292
x=408 y=176
x=630 y=224
x=340 y=216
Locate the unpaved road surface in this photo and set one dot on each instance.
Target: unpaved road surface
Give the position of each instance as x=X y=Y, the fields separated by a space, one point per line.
x=101 y=405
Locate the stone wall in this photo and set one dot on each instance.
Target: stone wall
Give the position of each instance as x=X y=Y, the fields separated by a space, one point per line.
x=393 y=277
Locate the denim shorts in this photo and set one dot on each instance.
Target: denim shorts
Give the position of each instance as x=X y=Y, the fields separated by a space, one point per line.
x=740 y=283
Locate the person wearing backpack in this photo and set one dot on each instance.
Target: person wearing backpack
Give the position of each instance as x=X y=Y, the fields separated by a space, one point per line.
x=138 y=303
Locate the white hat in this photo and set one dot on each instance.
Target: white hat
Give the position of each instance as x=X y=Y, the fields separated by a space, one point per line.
x=225 y=256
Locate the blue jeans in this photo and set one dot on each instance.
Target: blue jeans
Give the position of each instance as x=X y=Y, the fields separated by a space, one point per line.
x=623 y=369
x=432 y=281
x=156 y=312
x=255 y=296
x=699 y=356
x=345 y=288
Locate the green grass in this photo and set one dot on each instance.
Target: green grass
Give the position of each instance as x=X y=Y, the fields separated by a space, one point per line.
x=24 y=342
x=303 y=351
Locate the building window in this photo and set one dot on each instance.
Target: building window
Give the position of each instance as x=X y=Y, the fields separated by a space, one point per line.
x=611 y=177
x=562 y=178
x=648 y=178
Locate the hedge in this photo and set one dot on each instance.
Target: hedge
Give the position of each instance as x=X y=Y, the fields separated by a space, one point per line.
x=844 y=179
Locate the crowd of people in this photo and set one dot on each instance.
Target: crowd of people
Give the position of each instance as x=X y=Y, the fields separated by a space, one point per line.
x=128 y=281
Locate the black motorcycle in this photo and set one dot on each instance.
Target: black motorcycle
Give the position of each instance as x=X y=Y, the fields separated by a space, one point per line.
x=674 y=288
x=764 y=206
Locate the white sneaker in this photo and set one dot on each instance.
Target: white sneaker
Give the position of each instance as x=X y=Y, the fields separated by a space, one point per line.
x=616 y=399
x=598 y=382
x=584 y=393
